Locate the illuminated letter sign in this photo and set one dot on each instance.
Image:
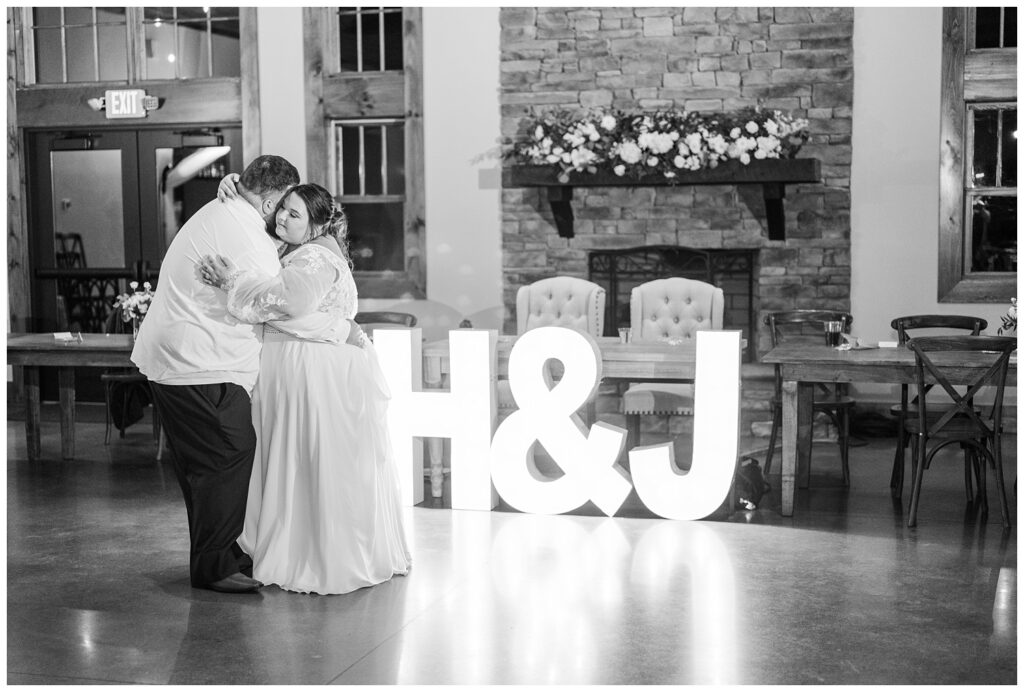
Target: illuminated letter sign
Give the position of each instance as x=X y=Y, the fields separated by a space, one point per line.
x=466 y=413
x=548 y=416
x=662 y=487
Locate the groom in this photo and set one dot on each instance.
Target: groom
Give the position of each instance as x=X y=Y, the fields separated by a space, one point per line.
x=202 y=366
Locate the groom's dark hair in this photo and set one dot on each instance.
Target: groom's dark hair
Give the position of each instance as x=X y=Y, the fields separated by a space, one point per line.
x=269 y=174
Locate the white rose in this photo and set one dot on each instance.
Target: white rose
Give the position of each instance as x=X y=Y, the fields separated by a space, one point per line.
x=679 y=161
x=670 y=174
x=652 y=161
x=751 y=127
x=619 y=170
x=608 y=122
x=567 y=157
x=734 y=133
x=630 y=152
x=770 y=127
x=744 y=158
x=538 y=133
x=693 y=140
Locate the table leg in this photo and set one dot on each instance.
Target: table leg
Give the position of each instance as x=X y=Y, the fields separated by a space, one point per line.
x=66 y=385
x=435 y=450
x=796 y=437
x=435 y=445
x=32 y=415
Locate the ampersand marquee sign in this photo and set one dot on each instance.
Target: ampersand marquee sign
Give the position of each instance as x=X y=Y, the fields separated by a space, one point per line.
x=486 y=462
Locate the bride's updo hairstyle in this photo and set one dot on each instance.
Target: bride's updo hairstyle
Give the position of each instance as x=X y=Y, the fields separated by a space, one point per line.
x=326 y=217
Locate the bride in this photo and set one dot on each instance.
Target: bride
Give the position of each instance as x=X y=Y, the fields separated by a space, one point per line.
x=324 y=513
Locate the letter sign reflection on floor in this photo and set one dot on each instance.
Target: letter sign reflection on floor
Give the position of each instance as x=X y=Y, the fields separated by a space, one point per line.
x=664 y=489
x=548 y=416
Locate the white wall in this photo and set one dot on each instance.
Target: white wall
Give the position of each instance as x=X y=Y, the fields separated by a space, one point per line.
x=461 y=122
x=894 y=180
x=282 y=99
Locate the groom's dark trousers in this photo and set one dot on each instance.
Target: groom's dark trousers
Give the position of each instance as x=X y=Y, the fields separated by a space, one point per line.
x=213 y=443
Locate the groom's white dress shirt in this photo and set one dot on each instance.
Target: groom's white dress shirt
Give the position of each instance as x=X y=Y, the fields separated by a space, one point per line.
x=188 y=336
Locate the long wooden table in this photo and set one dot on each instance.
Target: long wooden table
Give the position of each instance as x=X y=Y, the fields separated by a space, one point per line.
x=33 y=351
x=804 y=364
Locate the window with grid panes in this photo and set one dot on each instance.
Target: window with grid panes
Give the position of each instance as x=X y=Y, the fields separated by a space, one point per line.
x=370 y=39
x=367 y=160
x=369 y=180
x=65 y=45
x=978 y=231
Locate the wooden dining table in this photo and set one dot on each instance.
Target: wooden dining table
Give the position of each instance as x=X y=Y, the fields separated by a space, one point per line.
x=804 y=364
x=35 y=351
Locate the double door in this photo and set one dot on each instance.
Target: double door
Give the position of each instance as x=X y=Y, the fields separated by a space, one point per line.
x=103 y=206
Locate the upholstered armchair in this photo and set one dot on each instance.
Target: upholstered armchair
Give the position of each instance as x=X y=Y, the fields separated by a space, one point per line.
x=662 y=310
x=561 y=301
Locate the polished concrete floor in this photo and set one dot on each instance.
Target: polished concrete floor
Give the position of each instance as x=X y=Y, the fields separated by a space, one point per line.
x=841 y=593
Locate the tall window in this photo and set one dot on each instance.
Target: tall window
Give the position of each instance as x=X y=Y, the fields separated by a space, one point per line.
x=978 y=200
x=369 y=179
x=365 y=137
x=65 y=45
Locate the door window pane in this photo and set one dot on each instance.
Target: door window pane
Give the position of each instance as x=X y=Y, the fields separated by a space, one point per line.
x=994 y=234
x=994 y=146
x=986 y=147
x=1009 y=146
x=995 y=27
x=370 y=39
x=375 y=236
x=88 y=202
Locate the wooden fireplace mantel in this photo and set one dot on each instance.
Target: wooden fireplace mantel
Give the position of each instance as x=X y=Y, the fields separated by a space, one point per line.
x=771 y=174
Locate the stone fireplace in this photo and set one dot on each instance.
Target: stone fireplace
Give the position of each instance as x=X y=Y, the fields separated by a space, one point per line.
x=633 y=59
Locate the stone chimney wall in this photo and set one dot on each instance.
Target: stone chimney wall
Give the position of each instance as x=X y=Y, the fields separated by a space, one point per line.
x=798 y=60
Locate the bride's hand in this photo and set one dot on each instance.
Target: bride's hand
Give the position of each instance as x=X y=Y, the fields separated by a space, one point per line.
x=227 y=190
x=215 y=271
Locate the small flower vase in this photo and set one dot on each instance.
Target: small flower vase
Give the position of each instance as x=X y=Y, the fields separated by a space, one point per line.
x=135 y=328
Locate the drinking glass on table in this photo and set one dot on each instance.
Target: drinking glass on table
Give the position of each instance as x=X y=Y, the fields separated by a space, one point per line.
x=833 y=333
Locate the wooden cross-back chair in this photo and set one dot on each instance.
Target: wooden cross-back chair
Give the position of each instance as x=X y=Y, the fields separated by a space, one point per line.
x=905 y=326
x=961 y=423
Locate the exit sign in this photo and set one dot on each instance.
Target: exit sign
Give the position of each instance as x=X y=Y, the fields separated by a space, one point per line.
x=126 y=103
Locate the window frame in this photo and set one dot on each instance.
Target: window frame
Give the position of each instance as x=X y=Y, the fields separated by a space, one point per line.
x=335 y=95
x=969 y=75
x=135 y=45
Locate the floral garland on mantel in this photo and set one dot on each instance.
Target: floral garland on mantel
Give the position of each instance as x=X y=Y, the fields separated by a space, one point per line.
x=668 y=142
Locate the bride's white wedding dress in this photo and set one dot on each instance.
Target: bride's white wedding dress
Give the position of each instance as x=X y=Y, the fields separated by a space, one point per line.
x=324 y=511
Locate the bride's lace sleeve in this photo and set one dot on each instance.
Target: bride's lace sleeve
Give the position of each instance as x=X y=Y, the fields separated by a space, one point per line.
x=297 y=290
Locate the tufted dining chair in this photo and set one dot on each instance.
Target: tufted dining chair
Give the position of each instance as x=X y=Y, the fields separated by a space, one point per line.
x=561 y=301
x=558 y=301
x=663 y=310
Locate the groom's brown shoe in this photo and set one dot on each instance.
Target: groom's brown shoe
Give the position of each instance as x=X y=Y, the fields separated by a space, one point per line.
x=236 y=583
